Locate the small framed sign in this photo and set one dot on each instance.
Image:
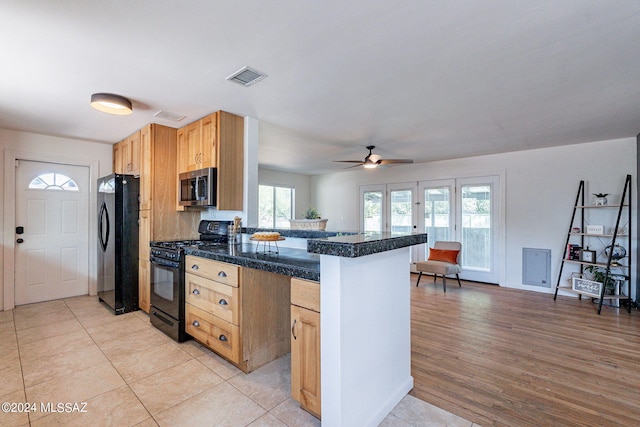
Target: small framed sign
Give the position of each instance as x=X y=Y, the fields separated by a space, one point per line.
x=586 y=287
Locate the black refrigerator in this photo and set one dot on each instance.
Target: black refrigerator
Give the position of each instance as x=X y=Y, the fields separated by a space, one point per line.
x=118 y=242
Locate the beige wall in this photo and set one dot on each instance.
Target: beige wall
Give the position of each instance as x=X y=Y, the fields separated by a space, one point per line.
x=43 y=148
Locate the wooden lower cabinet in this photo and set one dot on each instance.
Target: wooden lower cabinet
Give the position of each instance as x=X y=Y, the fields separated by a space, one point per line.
x=220 y=336
x=144 y=284
x=240 y=313
x=305 y=344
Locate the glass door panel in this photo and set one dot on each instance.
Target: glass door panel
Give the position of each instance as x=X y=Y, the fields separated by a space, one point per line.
x=401 y=211
x=476 y=226
x=436 y=212
x=372 y=212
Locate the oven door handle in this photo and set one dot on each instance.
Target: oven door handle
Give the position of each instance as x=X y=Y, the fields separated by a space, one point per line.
x=164 y=262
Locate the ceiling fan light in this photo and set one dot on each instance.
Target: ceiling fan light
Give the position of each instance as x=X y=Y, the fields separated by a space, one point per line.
x=111 y=103
x=370 y=165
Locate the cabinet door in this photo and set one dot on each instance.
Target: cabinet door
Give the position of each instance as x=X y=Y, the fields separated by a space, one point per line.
x=144 y=234
x=305 y=358
x=118 y=161
x=193 y=143
x=133 y=154
x=145 y=168
x=208 y=131
x=183 y=151
x=144 y=285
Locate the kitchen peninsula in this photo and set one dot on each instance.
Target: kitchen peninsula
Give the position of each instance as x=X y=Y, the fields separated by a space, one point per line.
x=365 y=316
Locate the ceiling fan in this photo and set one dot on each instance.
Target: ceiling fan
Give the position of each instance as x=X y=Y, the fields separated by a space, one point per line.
x=373 y=160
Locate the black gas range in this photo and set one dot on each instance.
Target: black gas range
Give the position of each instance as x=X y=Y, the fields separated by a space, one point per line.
x=167 y=277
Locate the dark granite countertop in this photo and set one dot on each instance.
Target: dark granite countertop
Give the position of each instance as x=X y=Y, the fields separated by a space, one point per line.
x=357 y=245
x=290 y=262
x=305 y=264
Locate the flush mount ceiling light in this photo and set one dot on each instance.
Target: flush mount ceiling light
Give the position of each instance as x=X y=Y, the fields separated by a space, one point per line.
x=247 y=76
x=111 y=103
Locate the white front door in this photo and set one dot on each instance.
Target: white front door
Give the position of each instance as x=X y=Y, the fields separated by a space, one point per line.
x=52 y=231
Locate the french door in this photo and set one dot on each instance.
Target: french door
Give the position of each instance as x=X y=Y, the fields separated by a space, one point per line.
x=465 y=210
x=388 y=208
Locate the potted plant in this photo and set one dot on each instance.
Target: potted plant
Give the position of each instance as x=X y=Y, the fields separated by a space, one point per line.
x=598 y=274
x=311 y=221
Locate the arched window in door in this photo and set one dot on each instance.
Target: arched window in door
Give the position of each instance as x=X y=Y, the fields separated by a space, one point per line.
x=53 y=181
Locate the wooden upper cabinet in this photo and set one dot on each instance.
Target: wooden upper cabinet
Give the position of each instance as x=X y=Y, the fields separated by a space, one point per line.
x=217 y=141
x=133 y=154
x=117 y=158
x=208 y=128
x=230 y=161
x=127 y=154
x=193 y=141
x=145 y=168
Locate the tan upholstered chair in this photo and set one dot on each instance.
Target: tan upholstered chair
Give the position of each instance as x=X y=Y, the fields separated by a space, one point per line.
x=442 y=262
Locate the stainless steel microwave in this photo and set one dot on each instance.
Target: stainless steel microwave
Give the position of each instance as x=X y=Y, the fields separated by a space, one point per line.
x=198 y=188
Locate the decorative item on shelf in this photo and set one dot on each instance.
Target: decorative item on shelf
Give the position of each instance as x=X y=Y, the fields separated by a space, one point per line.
x=598 y=274
x=587 y=255
x=617 y=253
x=576 y=230
x=573 y=251
x=586 y=287
x=595 y=229
x=311 y=221
x=600 y=199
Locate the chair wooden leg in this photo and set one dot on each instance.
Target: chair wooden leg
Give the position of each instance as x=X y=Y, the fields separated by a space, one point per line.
x=444 y=282
x=419 y=276
x=458 y=277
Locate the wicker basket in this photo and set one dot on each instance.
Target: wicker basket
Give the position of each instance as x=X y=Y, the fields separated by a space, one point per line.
x=308 y=224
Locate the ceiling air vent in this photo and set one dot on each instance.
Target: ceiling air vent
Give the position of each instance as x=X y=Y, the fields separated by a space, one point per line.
x=247 y=76
x=174 y=117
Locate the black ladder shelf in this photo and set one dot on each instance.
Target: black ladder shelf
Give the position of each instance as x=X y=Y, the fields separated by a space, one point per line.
x=579 y=205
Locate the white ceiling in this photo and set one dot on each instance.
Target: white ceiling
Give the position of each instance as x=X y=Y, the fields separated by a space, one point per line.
x=420 y=79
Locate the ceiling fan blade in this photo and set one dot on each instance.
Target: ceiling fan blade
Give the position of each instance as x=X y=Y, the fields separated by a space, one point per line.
x=393 y=161
x=349 y=161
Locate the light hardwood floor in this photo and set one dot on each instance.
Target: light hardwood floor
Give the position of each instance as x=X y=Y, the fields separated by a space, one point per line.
x=505 y=357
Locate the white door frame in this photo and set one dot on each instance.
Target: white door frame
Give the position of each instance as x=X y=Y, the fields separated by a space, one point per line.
x=9 y=223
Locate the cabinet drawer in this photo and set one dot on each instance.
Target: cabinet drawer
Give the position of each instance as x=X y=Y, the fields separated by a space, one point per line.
x=214 y=270
x=305 y=293
x=219 y=299
x=217 y=334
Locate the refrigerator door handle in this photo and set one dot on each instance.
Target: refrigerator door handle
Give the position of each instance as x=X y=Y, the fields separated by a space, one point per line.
x=104 y=215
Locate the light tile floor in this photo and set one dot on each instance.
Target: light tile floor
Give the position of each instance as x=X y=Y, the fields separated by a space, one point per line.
x=129 y=374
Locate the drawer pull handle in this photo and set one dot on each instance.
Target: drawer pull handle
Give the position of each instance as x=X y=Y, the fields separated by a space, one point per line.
x=222 y=338
x=196 y=292
x=223 y=302
x=196 y=323
x=222 y=274
x=293 y=329
x=194 y=267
